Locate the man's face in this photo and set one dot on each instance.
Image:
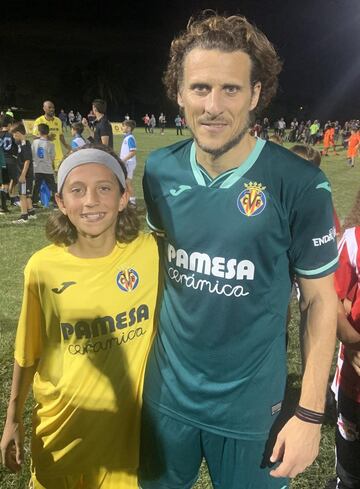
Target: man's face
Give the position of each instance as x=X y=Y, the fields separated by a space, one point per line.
x=217 y=97
x=49 y=109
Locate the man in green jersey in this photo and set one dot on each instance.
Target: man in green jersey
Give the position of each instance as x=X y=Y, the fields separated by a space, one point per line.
x=239 y=216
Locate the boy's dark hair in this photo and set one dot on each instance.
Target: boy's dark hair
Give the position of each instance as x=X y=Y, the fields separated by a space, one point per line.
x=100 y=105
x=43 y=129
x=308 y=153
x=18 y=127
x=6 y=120
x=130 y=123
x=60 y=230
x=78 y=127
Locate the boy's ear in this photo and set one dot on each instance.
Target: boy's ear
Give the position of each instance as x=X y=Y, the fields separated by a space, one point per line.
x=60 y=204
x=124 y=199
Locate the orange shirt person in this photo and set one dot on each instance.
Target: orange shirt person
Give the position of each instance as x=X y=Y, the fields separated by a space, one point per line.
x=353 y=146
x=329 y=140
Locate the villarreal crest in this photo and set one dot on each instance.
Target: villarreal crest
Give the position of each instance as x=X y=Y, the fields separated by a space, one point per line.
x=127 y=280
x=252 y=200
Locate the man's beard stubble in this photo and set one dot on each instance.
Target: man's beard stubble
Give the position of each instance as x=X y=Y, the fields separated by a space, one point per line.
x=217 y=152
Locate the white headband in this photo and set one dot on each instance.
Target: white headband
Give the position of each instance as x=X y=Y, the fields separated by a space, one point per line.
x=89 y=155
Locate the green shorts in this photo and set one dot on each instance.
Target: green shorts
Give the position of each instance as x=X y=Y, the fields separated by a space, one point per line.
x=172 y=451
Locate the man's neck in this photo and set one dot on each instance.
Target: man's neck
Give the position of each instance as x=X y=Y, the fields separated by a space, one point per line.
x=231 y=159
x=99 y=116
x=49 y=117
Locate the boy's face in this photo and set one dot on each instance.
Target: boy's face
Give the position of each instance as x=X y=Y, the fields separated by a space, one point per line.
x=126 y=129
x=18 y=136
x=91 y=199
x=73 y=132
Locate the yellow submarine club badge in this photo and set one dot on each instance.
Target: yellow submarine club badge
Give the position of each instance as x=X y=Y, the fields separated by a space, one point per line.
x=252 y=200
x=127 y=280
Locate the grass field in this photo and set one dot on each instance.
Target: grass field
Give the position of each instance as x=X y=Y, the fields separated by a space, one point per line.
x=19 y=242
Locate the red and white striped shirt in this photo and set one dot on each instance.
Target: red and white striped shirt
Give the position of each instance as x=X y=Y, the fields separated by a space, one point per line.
x=347 y=285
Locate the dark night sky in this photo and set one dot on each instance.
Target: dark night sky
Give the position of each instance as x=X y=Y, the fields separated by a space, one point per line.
x=74 y=52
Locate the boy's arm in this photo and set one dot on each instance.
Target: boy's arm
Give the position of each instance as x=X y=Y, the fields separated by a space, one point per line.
x=346 y=333
x=23 y=174
x=12 y=440
x=64 y=143
x=86 y=126
x=130 y=155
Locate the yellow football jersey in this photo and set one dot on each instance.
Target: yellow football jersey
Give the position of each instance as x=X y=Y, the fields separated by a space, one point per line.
x=55 y=127
x=90 y=323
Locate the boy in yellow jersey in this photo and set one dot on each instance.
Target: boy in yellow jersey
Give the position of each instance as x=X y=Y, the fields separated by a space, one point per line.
x=84 y=332
x=56 y=132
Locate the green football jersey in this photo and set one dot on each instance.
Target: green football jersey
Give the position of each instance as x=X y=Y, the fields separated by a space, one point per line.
x=230 y=248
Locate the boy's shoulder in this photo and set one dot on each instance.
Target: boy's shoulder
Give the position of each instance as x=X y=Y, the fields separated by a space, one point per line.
x=42 y=258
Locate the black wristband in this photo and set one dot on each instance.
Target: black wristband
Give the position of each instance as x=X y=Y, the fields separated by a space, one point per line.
x=309 y=416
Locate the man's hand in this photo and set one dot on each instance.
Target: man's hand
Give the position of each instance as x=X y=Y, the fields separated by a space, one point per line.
x=296 y=447
x=354 y=358
x=12 y=444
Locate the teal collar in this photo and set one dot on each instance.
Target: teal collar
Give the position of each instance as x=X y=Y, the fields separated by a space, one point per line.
x=231 y=176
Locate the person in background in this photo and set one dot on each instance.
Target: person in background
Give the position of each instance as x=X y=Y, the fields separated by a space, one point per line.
x=77 y=141
x=56 y=132
x=26 y=176
x=43 y=152
x=102 y=132
x=128 y=155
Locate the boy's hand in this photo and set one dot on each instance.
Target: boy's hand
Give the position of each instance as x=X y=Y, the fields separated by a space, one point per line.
x=12 y=444
x=51 y=137
x=354 y=358
x=21 y=178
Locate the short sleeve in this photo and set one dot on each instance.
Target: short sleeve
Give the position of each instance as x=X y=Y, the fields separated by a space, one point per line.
x=35 y=128
x=74 y=145
x=153 y=216
x=26 y=151
x=313 y=252
x=105 y=129
x=132 y=143
x=28 y=344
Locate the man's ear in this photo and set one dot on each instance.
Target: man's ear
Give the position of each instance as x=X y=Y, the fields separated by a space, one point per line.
x=256 y=90
x=180 y=100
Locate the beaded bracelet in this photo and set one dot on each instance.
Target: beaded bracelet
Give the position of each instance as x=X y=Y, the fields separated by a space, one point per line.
x=309 y=416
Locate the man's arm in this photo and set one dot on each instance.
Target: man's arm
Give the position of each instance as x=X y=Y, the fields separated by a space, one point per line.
x=297 y=444
x=105 y=140
x=12 y=440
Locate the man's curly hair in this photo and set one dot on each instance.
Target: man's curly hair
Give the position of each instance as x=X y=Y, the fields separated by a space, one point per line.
x=227 y=34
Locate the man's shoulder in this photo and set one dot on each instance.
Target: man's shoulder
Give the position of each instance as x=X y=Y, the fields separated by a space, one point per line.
x=289 y=176
x=287 y=165
x=40 y=120
x=176 y=151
